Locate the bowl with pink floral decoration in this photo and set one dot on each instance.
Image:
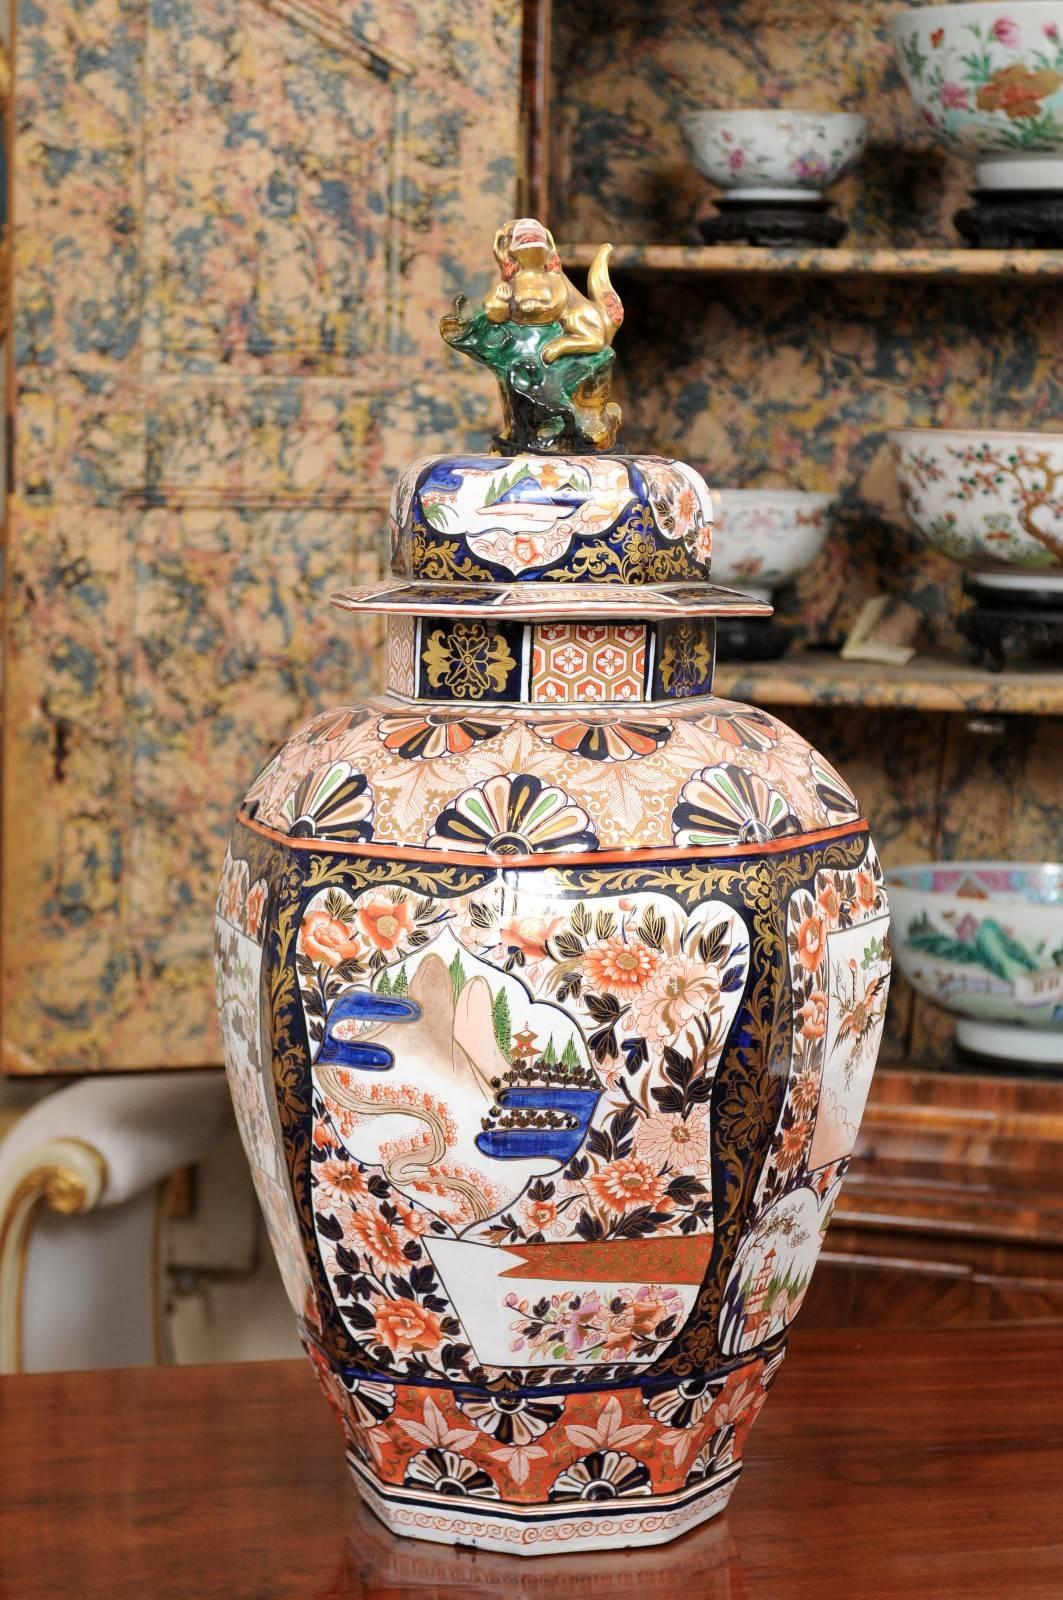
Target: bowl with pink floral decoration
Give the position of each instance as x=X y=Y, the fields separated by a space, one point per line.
x=764 y=538
x=774 y=155
x=987 y=79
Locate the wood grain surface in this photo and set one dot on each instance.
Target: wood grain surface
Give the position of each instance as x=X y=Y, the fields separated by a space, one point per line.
x=887 y=1466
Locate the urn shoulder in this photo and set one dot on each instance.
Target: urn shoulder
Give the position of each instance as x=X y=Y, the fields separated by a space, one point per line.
x=511 y=781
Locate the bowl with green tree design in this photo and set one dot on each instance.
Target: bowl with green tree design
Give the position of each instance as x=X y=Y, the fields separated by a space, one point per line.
x=984 y=941
x=987 y=79
x=991 y=500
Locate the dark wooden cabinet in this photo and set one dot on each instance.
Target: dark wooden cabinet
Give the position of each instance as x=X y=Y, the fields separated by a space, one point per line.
x=953 y=1210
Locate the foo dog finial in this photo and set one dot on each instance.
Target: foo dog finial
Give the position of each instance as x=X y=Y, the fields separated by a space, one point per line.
x=549 y=346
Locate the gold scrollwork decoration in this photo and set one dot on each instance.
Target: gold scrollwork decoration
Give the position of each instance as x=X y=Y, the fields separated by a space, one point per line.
x=686 y=657
x=441 y=561
x=470 y=658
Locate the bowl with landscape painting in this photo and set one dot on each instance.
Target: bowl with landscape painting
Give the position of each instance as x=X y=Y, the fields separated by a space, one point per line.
x=990 y=500
x=763 y=538
x=984 y=941
x=987 y=79
x=774 y=155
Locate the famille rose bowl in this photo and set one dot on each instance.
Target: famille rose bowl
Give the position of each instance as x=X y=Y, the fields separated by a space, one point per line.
x=988 y=80
x=984 y=940
x=992 y=501
x=774 y=155
x=766 y=537
x=551 y=988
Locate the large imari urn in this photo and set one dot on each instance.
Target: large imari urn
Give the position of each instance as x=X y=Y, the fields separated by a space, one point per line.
x=551 y=984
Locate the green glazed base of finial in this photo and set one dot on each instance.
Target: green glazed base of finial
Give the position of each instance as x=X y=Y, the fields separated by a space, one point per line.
x=553 y=408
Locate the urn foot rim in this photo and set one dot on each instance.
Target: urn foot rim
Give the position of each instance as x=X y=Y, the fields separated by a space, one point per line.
x=546 y=1529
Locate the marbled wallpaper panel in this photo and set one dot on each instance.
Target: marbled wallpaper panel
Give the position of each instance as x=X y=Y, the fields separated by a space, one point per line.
x=624 y=72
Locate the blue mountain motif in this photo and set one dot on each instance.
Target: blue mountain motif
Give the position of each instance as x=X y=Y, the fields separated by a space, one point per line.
x=530 y=490
x=362 y=1005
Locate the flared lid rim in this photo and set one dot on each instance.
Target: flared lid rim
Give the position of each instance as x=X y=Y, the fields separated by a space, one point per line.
x=550 y=600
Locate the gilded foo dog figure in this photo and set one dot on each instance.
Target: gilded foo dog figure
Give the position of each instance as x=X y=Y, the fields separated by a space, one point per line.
x=548 y=345
x=534 y=290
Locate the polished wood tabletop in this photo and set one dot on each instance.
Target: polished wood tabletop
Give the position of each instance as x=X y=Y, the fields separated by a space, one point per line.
x=918 y=1466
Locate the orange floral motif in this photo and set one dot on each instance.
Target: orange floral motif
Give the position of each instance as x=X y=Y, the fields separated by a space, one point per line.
x=340 y=1180
x=829 y=902
x=866 y=891
x=793 y=1142
x=679 y=1142
x=384 y=921
x=619 y=968
x=674 y=994
x=813 y=1015
x=232 y=897
x=811 y=943
x=324 y=1137
x=529 y=935
x=738 y=1405
x=413 y=1221
x=541 y=1213
x=1017 y=91
x=404 y=1326
x=324 y=938
x=686 y=507
x=369 y=1231
x=640 y=1318
x=804 y=1091
x=256 y=906
x=627 y=1183
x=526 y=551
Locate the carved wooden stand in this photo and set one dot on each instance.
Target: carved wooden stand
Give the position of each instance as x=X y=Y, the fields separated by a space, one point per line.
x=804 y=222
x=1005 y=625
x=1012 y=221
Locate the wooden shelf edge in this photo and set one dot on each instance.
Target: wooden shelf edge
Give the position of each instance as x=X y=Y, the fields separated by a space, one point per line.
x=903 y=1083
x=821 y=678
x=844 y=261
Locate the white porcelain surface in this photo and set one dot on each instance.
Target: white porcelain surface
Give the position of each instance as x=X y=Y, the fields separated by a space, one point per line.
x=1003 y=1042
x=992 y=501
x=988 y=80
x=766 y=537
x=984 y=940
x=774 y=155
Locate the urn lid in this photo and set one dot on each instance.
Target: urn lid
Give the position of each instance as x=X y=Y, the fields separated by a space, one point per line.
x=511 y=533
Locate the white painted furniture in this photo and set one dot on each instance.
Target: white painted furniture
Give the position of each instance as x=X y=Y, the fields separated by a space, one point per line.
x=82 y=1175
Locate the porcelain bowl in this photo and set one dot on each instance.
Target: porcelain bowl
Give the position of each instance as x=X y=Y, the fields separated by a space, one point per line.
x=984 y=940
x=988 y=80
x=993 y=501
x=774 y=155
x=766 y=537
